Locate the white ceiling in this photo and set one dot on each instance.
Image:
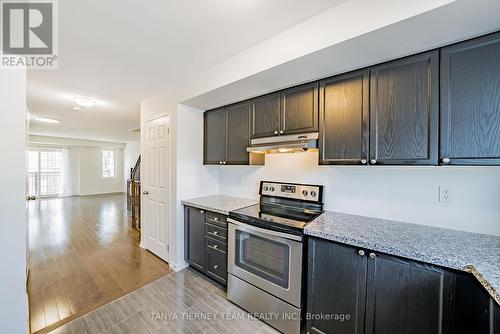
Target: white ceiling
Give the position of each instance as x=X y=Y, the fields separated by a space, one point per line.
x=121 y=52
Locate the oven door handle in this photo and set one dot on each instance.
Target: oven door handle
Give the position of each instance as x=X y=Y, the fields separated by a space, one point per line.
x=265 y=231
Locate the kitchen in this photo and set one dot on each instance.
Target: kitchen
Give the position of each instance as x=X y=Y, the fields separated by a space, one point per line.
x=430 y=113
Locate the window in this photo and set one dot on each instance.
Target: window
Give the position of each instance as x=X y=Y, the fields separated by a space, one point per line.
x=108 y=164
x=45 y=171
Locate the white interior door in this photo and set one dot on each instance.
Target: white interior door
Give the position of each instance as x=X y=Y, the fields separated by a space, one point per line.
x=156 y=186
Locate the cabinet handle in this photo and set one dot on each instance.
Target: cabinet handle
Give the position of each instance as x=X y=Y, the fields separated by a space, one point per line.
x=446 y=160
x=372 y=255
x=361 y=252
x=201 y=211
x=215 y=246
x=276 y=132
x=373 y=161
x=215 y=233
x=281 y=132
x=220 y=162
x=216 y=266
x=216 y=218
x=363 y=161
x=224 y=162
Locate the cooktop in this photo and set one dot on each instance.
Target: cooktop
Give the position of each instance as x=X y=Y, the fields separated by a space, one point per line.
x=283 y=207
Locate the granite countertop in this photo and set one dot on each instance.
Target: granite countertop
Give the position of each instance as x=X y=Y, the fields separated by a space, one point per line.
x=476 y=253
x=219 y=203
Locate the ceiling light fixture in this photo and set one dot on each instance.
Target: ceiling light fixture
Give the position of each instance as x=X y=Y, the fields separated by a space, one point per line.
x=84 y=101
x=76 y=108
x=47 y=120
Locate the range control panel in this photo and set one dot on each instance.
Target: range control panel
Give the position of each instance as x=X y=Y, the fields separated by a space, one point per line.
x=290 y=190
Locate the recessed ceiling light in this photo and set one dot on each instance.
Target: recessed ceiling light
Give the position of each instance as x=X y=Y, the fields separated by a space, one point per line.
x=76 y=108
x=84 y=101
x=47 y=120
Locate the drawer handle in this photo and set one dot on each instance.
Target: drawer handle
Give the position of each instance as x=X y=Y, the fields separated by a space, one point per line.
x=215 y=247
x=214 y=233
x=216 y=266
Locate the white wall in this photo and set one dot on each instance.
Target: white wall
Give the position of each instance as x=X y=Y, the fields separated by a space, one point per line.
x=91 y=180
x=85 y=158
x=408 y=194
x=13 y=227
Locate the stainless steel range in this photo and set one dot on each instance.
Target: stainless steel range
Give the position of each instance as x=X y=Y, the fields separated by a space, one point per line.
x=265 y=252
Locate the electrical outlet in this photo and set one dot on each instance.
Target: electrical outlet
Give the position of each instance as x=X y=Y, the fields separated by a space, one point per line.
x=445 y=194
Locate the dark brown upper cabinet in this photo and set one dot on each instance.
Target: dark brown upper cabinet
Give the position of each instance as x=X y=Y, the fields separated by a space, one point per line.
x=294 y=110
x=344 y=118
x=215 y=136
x=238 y=133
x=299 y=109
x=404 y=105
x=266 y=115
x=470 y=102
x=227 y=135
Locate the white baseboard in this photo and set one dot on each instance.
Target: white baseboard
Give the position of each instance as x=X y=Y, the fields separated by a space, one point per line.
x=178 y=266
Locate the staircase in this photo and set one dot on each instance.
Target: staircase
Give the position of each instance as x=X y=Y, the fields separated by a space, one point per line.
x=134 y=195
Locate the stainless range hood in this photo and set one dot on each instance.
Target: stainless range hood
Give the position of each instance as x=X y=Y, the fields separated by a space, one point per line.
x=284 y=144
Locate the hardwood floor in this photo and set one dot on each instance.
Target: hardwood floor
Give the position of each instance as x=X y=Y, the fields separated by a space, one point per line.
x=83 y=254
x=182 y=302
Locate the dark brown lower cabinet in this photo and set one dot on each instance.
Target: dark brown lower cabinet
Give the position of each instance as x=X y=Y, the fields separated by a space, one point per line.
x=352 y=290
x=336 y=285
x=205 y=244
x=408 y=297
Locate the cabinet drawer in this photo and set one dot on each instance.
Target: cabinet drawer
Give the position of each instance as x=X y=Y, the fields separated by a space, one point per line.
x=216 y=264
x=215 y=232
x=214 y=244
x=216 y=219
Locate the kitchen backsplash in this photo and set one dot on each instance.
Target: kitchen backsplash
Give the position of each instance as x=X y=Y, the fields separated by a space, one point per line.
x=409 y=194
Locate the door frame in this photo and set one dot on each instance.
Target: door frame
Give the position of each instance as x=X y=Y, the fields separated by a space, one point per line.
x=144 y=178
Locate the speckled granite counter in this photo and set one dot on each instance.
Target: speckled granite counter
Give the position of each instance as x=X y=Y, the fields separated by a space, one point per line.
x=478 y=254
x=219 y=203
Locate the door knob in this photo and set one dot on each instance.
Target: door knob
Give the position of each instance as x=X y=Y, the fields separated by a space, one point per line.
x=372 y=255
x=145 y=192
x=373 y=161
x=445 y=160
x=361 y=252
x=281 y=132
x=30 y=198
x=363 y=161
x=224 y=162
x=276 y=132
x=220 y=162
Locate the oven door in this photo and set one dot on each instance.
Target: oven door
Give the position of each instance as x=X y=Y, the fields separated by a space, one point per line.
x=269 y=260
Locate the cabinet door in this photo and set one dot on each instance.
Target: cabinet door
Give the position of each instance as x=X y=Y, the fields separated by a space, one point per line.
x=299 y=109
x=404 y=111
x=215 y=137
x=194 y=230
x=343 y=119
x=238 y=133
x=407 y=297
x=336 y=285
x=474 y=309
x=470 y=102
x=266 y=115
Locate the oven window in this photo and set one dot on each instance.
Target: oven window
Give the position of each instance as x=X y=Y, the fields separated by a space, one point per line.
x=265 y=258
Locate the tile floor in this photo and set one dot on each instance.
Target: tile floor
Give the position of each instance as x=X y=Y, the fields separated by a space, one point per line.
x=182 y=302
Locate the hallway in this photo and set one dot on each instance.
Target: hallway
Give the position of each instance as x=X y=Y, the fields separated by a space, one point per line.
x=82 y=255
